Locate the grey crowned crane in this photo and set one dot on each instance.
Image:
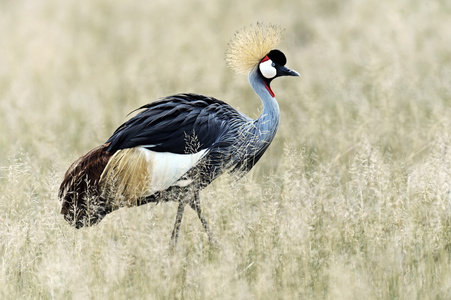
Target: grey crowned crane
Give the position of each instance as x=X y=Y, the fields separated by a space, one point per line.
x=178 y=145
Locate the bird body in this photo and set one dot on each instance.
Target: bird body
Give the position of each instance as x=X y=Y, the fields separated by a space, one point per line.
x=173 y=148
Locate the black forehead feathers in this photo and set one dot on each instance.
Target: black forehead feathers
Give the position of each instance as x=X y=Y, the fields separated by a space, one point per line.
x=277 y=56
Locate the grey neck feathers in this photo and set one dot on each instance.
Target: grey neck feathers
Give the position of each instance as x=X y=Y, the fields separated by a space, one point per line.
x=268 y=122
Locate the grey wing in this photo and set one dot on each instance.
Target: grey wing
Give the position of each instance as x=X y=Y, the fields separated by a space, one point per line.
x=177 y=124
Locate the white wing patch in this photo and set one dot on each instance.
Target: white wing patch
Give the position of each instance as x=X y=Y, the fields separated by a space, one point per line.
x=138 y=172
x=166 y=168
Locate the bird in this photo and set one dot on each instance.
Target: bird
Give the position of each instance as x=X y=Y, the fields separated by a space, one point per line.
x=177 y=145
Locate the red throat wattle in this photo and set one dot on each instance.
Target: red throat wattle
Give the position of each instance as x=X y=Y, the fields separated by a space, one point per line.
x=269 y=90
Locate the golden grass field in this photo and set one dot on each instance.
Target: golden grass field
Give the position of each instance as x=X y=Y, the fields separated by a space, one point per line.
x=351 y=201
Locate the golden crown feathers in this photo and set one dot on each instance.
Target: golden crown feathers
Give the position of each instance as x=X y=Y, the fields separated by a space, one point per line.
x=250 y=45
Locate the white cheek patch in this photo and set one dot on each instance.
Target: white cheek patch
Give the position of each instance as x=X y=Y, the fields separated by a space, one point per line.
x=267 y=69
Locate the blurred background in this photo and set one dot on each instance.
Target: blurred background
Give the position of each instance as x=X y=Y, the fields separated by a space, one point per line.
x=70 y=72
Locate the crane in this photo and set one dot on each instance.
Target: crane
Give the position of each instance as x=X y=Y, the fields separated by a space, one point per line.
x=176 y=146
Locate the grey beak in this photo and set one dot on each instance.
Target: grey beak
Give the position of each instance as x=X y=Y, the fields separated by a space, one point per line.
x=284 y=71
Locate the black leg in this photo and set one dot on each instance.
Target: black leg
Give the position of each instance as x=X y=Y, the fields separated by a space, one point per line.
x=195 y=204
x=178 y=220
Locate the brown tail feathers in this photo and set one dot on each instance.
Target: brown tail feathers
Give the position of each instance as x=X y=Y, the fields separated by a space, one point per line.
x=80 y=191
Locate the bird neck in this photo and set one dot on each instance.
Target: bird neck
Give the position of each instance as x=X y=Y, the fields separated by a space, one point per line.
x=269 y=119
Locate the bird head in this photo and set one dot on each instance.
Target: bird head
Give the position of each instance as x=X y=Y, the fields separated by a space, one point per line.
x=252 y=50
x=273 y=65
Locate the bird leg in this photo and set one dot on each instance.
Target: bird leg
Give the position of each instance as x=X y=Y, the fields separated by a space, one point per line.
x=195 y=205
x=178 y=220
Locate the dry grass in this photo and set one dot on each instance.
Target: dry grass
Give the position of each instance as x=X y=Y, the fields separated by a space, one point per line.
x=352 y=201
